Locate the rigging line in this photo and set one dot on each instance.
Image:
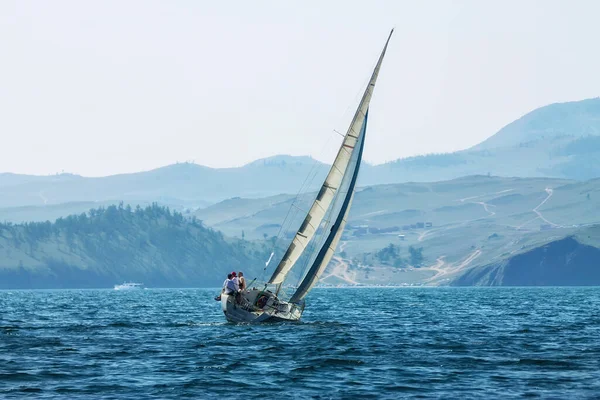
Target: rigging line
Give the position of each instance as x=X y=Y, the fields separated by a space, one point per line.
x=306 y=261
x=314 y=168
x=299 y=209
x=354 y=104
x=287 y=224
x=359 y=94
x=313 y=171
x=319 y=239
x=284 y=222
x=343 y=190
x=310 y=254
x=305 y=186
x=287 y=221
x=310 y=260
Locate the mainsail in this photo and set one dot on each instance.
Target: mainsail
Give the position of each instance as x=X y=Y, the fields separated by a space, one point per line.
x=351 y=144
x=328 y=248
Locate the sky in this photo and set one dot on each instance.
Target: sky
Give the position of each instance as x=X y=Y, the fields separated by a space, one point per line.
x=107 y=87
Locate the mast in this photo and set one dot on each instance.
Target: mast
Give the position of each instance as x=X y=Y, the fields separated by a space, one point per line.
x=332 y=181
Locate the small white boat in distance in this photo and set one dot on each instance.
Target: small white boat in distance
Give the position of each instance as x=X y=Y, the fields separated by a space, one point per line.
x=129 y=286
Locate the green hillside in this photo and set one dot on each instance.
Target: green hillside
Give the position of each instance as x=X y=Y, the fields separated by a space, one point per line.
x=458 y=224
x=114 y=244
x=436 y=233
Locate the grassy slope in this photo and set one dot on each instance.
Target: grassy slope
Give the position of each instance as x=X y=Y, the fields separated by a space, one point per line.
x=464 y=234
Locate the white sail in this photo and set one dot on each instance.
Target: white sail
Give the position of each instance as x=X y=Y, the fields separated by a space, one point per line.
x=332 y=182
x=313 y=276
x=339 y=223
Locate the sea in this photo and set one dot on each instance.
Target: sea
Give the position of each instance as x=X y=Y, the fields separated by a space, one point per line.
x=366 y=343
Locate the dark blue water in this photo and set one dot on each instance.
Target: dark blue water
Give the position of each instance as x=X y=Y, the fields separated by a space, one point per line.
x=367 y=343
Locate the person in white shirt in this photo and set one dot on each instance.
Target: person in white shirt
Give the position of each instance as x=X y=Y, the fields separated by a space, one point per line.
x=224 y=288
x=235 y=283
x=231 y=286
x=225 y=283
x=242 y=281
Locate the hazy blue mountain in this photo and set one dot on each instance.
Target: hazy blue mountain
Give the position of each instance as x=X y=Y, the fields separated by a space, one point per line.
x=575 y=119
x=187 y=185
x=559 y=140
x=10 y=179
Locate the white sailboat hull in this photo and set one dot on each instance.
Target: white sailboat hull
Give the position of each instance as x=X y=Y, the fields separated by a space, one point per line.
x=256 y=306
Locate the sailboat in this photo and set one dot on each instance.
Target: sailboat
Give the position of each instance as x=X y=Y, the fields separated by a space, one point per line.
x=334 y=199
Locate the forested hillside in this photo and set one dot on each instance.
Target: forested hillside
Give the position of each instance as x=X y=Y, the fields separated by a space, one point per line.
x=110 y=245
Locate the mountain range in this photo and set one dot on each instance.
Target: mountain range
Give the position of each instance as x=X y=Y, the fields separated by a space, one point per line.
x=559 y=140
x=517 y=209
x=475 y=230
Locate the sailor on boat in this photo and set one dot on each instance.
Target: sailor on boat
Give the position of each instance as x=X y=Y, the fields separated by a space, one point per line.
x=241 y=281
x=231 y=284
x=229 y=276
x=224 y=287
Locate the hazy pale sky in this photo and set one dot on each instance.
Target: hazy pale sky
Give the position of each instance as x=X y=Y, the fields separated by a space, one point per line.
x=105 y=87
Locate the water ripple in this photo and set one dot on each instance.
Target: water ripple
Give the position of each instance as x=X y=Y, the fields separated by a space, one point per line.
x=367 y=343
